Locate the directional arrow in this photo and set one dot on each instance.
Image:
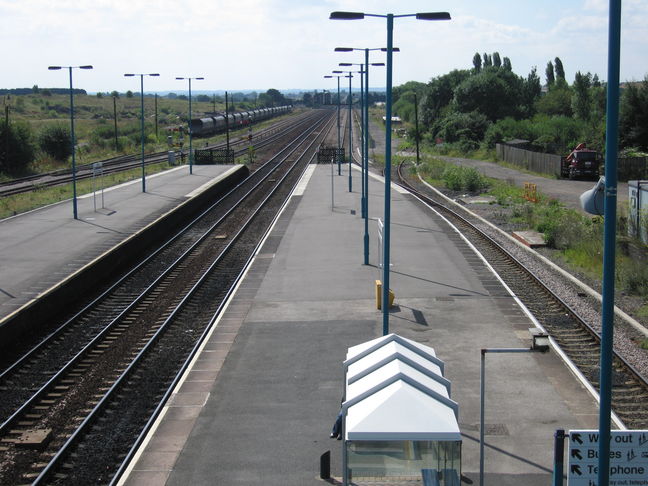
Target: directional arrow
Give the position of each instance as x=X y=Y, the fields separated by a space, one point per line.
x=576 y=470
x=577 y=438
x=576 y=453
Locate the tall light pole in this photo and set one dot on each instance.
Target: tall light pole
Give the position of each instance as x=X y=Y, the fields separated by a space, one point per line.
x=609 y=236
x=365 y=151
x=349 y=74
x=339 y=144
x=142 y=120
x=388 y=111
x=73 y=141
x=190 y=129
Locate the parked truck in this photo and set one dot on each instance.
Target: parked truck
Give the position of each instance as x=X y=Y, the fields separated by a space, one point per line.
x=581 y=162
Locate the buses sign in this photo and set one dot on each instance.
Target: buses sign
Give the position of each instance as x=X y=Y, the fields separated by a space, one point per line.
x=628 y=457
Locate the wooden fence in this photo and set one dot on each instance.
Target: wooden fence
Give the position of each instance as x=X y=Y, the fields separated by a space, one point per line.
x=635 y=168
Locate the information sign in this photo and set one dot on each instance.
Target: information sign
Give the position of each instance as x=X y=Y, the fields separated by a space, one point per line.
x=628 y=458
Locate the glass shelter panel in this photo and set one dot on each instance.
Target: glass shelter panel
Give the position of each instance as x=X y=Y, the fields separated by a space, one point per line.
x=436 y=462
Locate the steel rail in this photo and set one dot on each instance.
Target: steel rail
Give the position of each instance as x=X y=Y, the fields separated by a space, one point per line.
x=574 y=317
x=91 y=417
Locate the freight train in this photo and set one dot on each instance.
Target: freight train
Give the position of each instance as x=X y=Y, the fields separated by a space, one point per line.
x=214 y=124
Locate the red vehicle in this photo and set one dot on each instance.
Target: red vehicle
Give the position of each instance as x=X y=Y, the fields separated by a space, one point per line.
x=581 y=162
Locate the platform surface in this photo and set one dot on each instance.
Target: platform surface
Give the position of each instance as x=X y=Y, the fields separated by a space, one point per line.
x=258 y=403
x=40 y=248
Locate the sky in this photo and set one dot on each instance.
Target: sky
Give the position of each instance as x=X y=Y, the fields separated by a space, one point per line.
x=288 y=44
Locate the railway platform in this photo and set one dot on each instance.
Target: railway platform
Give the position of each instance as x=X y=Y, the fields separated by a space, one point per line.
x=43 y=247
x=258 y=403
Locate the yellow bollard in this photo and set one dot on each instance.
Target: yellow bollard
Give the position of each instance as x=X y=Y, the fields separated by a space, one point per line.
x=379 y=296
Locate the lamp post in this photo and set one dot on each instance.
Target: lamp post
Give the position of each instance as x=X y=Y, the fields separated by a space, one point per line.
x=539 y=343
x=190 y=130
x=365 y=151
x=142 y=120
x=349 y=74
x=388 y=109
x=339 y=144
x=73 y=141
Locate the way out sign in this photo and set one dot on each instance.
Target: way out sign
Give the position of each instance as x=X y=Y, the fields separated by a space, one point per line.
x=628 y=457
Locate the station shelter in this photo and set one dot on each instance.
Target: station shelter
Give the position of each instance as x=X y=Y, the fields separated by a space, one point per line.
x=399 y=423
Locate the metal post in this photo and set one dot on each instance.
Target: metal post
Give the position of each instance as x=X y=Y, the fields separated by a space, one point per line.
x=338 y=127
x=607 y=324
x=74 y=191
x=190 y=133
x=350 y=133
x=366 y=161
x=115 y=120
x=559 y=457
x=388 y=111
x=156 y=116
x=227 y=143
x=482 y=406
x=142 y=129
x=362 y=135
x=417 y=128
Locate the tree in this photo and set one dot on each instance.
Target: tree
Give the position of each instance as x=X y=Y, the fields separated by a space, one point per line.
x=581 y=99
x=531 y=91
x=56 y=142
x=276 y=98
x=115 y=94
x=496 y=93
x=35 y=89
x=487 y=60
x=477 y=62
x=549 y=74
x=16 y=147
x=633 y=121
x=439 y=94
x=557 y=102
x=506 y=64
x=497 y=61
x=560 y=71
x=129 y=94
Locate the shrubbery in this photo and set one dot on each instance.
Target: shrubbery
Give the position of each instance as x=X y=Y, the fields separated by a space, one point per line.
x=56 y=142
x=16 y=147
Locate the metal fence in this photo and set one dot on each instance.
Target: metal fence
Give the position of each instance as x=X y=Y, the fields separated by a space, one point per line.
x=213 y=156
x=628 y=168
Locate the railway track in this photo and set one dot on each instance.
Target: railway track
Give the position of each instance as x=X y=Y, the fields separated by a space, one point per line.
x=569 y=331
x=79 y=402
x=123 y=163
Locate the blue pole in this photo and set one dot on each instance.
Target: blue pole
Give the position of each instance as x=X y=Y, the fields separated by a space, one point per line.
x=74 y=188
x=386 y=231
x=142 y=126
x=362 y=135
x=350 y=132
x=609 y=250
x=190 y=133
x=339 y=162
x=366 y=161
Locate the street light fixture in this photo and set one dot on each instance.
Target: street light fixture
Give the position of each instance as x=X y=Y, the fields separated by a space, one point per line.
x=190 y=130
x=73 y=141
x=539 y=343
x=388 y=109
x=128 y=75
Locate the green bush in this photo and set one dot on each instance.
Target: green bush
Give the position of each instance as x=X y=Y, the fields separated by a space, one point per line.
x=458 y=178
x=55 y=141
x=16 y=147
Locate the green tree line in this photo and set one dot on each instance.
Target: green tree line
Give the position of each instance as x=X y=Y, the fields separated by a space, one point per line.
x=489 y=103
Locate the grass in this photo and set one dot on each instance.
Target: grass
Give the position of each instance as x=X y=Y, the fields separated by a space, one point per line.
x=20 y=203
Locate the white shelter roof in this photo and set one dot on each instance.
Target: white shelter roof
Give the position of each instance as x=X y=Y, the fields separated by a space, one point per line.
x=400 y=411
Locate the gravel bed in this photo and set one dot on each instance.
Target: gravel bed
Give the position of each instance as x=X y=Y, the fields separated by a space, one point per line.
x=627 y=338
